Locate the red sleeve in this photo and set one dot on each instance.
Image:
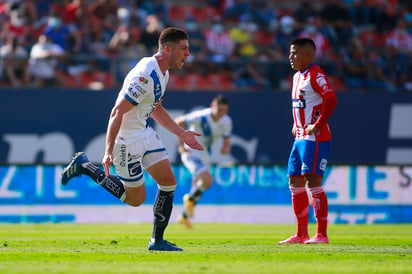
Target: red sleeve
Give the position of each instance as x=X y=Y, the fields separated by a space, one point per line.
x=328 y=106
x=322 y=86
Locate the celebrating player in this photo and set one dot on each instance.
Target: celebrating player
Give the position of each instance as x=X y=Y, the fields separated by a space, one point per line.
x=213 y=123
x=313 y=102
x=132 y=145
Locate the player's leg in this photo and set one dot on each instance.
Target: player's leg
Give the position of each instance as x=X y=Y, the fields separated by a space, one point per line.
x=162 y=208
x=300 y=201
x=81 y=165
x=196 y=164
x=319 y=198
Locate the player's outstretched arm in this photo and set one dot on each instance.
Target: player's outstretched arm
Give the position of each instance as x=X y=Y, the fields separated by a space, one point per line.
x=163 y=118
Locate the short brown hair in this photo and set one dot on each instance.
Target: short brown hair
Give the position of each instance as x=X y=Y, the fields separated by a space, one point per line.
x=172 y=34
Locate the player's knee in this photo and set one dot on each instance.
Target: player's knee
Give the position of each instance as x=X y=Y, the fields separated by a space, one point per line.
x=135 y=202
x=134 y=197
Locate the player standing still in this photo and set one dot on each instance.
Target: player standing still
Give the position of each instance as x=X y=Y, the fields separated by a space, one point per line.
x=213 y=123
x=313 y=102
x=132 y=145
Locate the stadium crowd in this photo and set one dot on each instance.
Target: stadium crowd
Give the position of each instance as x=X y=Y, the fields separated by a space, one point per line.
x=363 y=45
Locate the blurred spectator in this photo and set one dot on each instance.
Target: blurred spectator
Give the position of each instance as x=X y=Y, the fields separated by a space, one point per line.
x=242 y=37
x=151 y=32
x=282 y=38
x=16 y=26
x=337 y=24
x=197 y=40
x=358 y=70
x=264 y=13
x=246 y=74
x=302 y=13
x=218 y=42
x=44 y=61
x=311 y=30
x=68 y=38
x=126 y=47
x=399 y=38
x=155 y=7
x=236 y=8
x=14 y=59
x=74 y=13
x=408 y=18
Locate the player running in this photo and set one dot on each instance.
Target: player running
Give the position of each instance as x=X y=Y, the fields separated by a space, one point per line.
x=132 y=145
x=213 y=123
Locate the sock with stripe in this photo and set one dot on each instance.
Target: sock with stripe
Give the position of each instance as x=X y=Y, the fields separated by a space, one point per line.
x=320 y=208
x=112 y=184
x=300 y=204
x=162 y=209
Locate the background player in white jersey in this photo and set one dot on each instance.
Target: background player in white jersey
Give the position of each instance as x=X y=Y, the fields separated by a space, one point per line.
x=313 y=101
x=132 y=145
x=213 y=123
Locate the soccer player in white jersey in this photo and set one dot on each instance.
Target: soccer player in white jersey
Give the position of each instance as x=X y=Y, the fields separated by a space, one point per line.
x=313 y=102
x=132 y=145
x=213 y=123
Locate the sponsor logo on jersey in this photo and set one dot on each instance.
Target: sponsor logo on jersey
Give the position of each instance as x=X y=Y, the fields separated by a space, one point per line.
x=304 y=167
x=122 y=155
x=298 y=103
x=135 y=89
x=134 y=169
x=321 y=80
x=143 y=80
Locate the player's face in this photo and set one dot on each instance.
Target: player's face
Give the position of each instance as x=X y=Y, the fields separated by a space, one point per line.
x=219 y=110
x=296 y=57
x=179 y=54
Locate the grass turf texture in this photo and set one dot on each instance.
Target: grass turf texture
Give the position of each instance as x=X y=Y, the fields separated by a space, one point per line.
x=208 y=248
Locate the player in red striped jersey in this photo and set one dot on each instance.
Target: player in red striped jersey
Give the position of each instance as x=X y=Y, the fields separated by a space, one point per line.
x=313 y=102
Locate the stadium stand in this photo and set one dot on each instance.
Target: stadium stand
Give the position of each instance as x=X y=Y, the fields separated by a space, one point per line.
x=103 y=39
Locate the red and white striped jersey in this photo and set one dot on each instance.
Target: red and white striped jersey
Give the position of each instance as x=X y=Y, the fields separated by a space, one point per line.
x=310 y=90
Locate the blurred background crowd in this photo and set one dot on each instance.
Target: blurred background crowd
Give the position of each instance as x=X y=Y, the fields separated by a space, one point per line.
x=363 y=45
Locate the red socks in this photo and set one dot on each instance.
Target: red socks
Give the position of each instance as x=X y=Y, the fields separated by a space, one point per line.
x=300 y=203
x=320 y=207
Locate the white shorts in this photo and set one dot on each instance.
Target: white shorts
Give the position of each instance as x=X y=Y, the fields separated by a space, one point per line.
x=130 y=160
x=196 y=162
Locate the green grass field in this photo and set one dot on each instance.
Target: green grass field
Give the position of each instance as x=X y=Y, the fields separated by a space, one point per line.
x=208 y=248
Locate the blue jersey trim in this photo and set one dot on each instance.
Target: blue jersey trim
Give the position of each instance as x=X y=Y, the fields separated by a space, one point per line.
x=154 y=150
x=131 y=180
x=157 y=88
x=128 y=98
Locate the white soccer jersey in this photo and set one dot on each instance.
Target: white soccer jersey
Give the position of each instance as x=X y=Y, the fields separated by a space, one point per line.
x=202 y=121
x=144 y=87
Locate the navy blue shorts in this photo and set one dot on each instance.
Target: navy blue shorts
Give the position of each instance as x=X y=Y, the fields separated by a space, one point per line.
x=308 y=157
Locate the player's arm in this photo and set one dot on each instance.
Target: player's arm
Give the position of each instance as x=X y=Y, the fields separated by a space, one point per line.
x=163 y=118
x=116 y=116
x=328 y=106
x=180 y=120
x=226 y=146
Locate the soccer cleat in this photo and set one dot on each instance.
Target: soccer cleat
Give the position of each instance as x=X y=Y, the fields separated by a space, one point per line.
x=295 y=239
x=163 y=245
x=73 y=169
x=185 y=221
x=318 y=239
x=188 y=205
